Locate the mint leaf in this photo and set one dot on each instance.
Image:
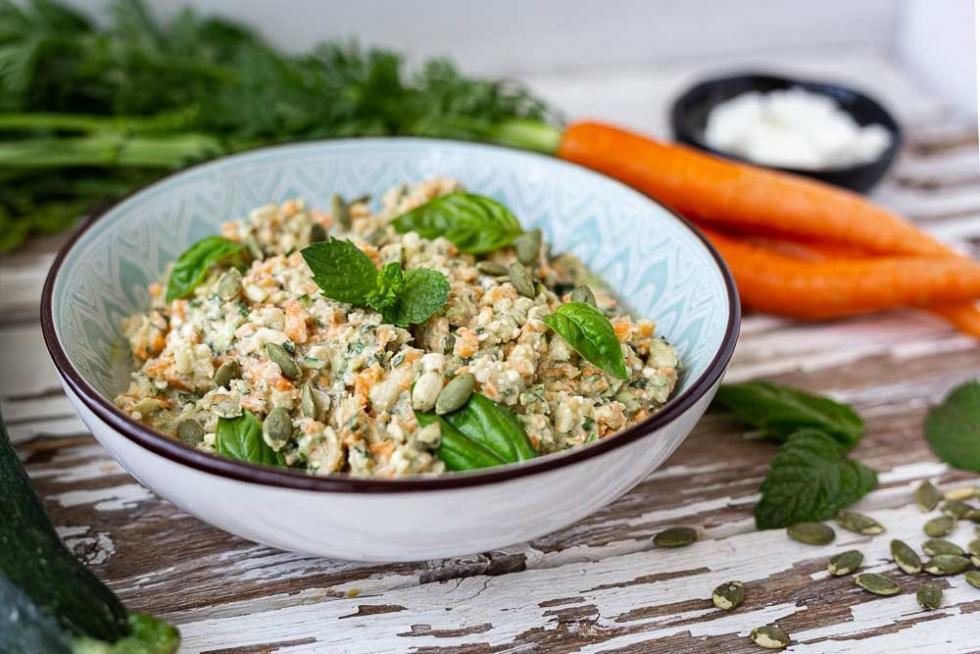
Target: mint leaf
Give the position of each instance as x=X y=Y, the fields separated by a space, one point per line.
x=241 y=438
x=953 y=427
x=341 y=270
x=590 y=334
x=346 y=274
x=810 y=479
x=778 y=411
x=425 y=292
x=192 y=266
x=388 y=286
x=474 y=223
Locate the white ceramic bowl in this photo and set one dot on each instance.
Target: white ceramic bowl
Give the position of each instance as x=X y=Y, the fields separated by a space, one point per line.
x=654 y=261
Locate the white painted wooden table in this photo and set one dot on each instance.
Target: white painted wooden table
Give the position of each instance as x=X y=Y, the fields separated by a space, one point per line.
x=598 y=586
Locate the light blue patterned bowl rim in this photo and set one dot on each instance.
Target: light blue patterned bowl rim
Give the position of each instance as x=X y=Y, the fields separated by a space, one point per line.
x=652 y=261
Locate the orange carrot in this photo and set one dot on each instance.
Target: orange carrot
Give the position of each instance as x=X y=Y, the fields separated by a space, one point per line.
x=790 y=286
x=965 y=317
x=738 y=196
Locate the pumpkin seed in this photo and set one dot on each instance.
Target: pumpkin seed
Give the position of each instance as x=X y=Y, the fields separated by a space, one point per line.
x=426 y=391
x=279 y=356
x=455 y=394
x=769 y=637
x=946 y=564
x=811 y=533
x=935 y=546
x=491 y=268
x=148 y=406
x=308 y=403
x=230 y=284
x=277 y=428
x=906 y=558
x=582 y=294
x=845 y=563
x=528 y=246
x=939 y=527
x=728 y=595
x=340 y=211
x=859 y=523
x=929 y=596
x=973 y=515
x=676 y=537
x=254 y=248
x=973 y=578
x=876 y=583
x=317 y=233
x=963 y=493
x=521 y=279
x=226 y=372
x=973 y=547
x=190 y=431
x=927 y=496
x=956 y=509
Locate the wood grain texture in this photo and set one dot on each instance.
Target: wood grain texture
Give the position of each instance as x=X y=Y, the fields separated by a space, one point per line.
x=599 y=585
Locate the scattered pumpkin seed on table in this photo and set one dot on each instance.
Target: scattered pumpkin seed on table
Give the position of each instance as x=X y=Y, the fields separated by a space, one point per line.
x=962 y=493
x=811 y=533
x=859 y=523
x=729 y=595
x=770 y=637
x=927 y=496
x=956 y=509
x=942 y=565
x=974 y=550
x=877 y=584
x=675 y=537
x=906 y=558
x=973 y=578
x=935 y=546
x=929 y=596
x=939 y=527
x=845 y=563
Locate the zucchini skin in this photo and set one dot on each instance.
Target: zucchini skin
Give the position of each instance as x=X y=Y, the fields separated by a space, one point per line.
x=34 y=562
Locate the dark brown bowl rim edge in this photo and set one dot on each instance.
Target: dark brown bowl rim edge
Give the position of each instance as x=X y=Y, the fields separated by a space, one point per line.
x=179 y=453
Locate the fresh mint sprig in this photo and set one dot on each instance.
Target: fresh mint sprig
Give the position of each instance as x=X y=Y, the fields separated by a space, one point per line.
x=402 y=297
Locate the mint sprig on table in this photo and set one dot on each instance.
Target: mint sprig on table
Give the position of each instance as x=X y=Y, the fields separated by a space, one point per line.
x=810 y=478
x=953 y=427
x=474 y=223
x=778 y=411
x=402 y=297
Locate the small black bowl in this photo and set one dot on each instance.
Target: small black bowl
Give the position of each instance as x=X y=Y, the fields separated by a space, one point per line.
x=689 y=116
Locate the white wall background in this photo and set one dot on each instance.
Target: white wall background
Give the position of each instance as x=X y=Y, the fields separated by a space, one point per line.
x=534 y=37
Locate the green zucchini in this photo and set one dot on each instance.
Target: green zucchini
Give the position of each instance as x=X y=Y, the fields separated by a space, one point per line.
x=49 y=601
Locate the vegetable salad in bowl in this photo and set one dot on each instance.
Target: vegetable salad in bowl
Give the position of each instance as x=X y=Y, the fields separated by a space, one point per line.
x=434 y=335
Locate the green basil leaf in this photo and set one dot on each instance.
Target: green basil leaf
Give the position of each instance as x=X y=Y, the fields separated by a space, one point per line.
x=425 y=292
x=810 y=479
x=341 y=270
x=456 y=450
x=241 y=438
x=193 y=265
x=494 y=426
x=778 y=411
x=953 y=427
x=474 y=223
x=590 y=333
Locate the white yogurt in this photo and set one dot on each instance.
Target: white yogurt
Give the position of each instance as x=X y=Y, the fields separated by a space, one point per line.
x=794 y=129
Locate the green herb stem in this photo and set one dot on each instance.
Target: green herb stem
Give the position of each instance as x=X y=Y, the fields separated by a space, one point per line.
x=535 y=135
